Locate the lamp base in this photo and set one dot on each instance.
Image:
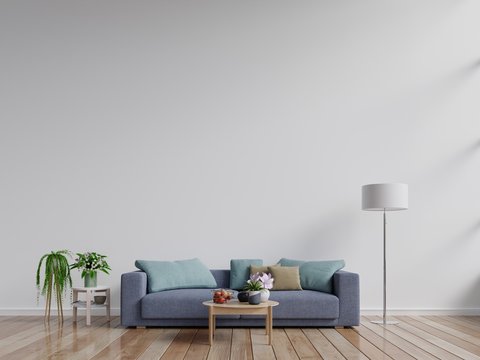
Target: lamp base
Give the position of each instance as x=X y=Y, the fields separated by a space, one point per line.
x=386 y=322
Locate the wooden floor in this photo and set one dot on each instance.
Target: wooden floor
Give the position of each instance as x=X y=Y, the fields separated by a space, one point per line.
x=416 y=337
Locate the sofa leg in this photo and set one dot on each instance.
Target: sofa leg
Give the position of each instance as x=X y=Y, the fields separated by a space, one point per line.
x=141 y=327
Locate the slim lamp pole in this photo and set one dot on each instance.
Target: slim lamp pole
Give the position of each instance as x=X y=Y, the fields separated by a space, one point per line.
x=384 y=321
x=384 y=267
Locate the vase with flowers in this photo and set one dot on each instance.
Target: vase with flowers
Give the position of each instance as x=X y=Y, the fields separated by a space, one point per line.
x=259 y=286
x=89 y=263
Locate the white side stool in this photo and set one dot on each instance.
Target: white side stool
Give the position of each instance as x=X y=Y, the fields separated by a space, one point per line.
x=88 y=303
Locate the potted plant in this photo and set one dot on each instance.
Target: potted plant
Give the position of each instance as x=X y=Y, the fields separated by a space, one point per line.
x=56 y=281
x=90 y=263
x=258 y=287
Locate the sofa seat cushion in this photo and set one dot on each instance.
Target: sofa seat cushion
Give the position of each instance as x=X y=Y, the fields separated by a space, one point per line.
x=176 y=304
x=305 y=304
x=187 y=304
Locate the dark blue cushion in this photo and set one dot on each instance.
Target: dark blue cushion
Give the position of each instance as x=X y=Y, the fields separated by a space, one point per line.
x=305 y=304
x=222 y=277
x=187 y=304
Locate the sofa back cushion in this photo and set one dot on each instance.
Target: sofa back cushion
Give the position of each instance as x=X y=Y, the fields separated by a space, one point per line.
x=285 y=277
x=260 y=269
x=222 y=277
x=316 y=275
x=167 y=275
x=240 y=271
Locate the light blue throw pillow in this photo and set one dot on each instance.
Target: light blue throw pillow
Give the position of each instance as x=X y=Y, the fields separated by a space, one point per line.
x=316 y=275
x=240 y=271
x=182 y=274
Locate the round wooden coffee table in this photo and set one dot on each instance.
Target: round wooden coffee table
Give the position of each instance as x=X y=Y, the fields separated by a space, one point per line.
x=234 y=307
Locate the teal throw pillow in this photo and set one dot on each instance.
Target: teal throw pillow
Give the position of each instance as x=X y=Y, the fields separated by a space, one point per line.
x=290 y=262
x=240 y=271
x=316 y=275
x=182 y=274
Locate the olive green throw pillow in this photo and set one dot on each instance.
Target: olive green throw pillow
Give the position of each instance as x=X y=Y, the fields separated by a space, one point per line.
x=167 y=275
x=260 y=269
x=316 y=275
x=285 y=277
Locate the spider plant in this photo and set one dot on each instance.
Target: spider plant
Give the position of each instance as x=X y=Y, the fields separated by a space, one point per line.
x=254 y=283
x=56 y=280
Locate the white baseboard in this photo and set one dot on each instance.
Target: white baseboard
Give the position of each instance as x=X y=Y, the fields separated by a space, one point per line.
x=40 y=311
x=393 y=312
x=116 y=311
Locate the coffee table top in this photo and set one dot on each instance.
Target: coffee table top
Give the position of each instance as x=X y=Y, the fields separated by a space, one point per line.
x=235 y=304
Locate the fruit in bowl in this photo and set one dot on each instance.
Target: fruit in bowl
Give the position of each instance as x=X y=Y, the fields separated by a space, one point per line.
x=221 y=296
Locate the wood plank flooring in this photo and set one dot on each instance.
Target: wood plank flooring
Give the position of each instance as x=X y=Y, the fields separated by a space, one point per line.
x=416 y=337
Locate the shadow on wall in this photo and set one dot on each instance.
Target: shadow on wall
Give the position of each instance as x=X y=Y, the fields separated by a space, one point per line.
x=450 y=167
x=469 y=233
x=413 y=102
x=471 y=298
x=456 y=245
x=438 y=91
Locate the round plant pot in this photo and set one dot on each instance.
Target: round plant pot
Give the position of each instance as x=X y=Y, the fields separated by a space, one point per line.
x=90 y=281
x=264 y=295
x=254 y=297
x=242 y=296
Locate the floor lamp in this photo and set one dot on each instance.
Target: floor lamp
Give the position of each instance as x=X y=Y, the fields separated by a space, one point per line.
x=385 y=197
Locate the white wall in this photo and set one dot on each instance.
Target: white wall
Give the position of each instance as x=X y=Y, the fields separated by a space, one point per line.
x=231 y=129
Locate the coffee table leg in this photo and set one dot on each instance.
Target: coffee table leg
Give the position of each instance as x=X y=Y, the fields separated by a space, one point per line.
x=210 y=325
x=270 y=325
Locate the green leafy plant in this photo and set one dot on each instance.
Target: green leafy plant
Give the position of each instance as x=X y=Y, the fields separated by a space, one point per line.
x=56 y=280
x=259 y=282
x=90 y=263
x=253 y=284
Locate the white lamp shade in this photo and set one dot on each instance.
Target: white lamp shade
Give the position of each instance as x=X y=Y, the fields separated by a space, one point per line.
x=385 y=197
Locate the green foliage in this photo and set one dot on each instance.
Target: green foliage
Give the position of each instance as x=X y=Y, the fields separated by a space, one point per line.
x=90 y=263
x=253 y=285
x=56 y=281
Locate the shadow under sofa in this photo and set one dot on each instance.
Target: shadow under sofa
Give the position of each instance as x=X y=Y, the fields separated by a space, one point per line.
x=183 y=307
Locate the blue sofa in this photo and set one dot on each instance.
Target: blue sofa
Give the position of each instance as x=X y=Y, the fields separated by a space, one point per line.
x=183 y=307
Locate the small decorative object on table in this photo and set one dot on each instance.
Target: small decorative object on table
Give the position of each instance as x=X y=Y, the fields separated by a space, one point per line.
x=221 y=296
x=90 y=263
x=242 y=296
x=258 y=287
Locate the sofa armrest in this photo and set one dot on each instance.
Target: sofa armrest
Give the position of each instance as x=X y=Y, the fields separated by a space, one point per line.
x=133 y=289
x=346 y=286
